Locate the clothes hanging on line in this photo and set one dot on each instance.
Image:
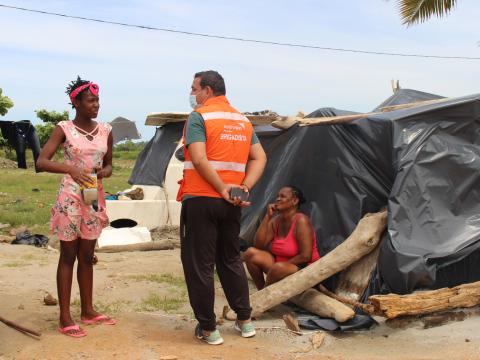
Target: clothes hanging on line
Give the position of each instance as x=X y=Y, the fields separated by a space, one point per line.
x=19 y=135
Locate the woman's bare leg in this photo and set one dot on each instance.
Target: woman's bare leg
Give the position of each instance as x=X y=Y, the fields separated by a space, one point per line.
x=85 y=277
x=258 y=263
x=68 y=254
x=279 y=271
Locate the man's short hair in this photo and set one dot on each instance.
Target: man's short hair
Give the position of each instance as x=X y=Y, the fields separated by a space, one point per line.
x=214 y=80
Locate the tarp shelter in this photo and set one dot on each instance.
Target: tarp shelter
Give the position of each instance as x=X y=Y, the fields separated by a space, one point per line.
x=151 y=165
x=422 y=162
x=124 y=129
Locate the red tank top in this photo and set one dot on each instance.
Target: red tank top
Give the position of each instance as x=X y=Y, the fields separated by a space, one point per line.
x=287 y=247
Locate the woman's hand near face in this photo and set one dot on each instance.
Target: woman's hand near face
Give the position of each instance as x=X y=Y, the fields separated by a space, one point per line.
x=271 y=209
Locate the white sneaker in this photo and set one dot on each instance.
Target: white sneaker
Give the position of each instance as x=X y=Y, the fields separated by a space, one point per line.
x=247 y=329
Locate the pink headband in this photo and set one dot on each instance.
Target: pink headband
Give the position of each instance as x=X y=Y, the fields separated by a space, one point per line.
x=94 y=89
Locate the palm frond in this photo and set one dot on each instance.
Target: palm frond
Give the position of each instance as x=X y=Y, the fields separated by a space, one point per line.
x=415 y=11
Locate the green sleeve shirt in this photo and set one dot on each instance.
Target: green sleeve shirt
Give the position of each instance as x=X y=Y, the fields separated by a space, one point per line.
x=195 y=131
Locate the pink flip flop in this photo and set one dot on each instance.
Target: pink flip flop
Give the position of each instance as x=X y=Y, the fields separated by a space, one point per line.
x=79 y=332
x=100 y=319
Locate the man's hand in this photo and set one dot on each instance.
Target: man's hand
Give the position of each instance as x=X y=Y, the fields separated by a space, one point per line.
x=225 y=192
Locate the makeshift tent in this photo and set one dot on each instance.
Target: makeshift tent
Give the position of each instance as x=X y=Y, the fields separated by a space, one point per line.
x=424 y=162
x=151 y=165
x=124 y=129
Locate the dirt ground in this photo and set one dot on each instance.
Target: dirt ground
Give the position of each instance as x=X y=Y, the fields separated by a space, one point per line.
x=145 y=292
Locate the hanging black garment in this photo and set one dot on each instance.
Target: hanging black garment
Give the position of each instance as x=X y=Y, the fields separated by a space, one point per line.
x=19 y=135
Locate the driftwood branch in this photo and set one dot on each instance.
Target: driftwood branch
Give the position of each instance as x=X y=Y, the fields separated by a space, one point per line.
x=426 y=302
x=147 y=246
x=19 y=327
x=354 y=280
x=323 y=305
x=366 y=308
x=362 y=241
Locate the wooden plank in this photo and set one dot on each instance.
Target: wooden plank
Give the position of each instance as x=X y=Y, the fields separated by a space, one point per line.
x=160 y=119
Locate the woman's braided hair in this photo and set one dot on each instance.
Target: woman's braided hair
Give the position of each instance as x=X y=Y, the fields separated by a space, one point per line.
x=75 y=84
x=298 y=194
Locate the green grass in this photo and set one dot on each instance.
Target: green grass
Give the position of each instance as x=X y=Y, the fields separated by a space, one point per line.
x=111 y=308
x=155 y=302
x=125 y=155
x=19 y=205
x=161 y=278
x=114 y=307
x=15 y=264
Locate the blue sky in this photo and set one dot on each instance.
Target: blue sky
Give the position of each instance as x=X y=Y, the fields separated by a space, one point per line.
x=141 y=71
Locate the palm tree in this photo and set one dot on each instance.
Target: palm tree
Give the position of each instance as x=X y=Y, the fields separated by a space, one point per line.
x=415 y=11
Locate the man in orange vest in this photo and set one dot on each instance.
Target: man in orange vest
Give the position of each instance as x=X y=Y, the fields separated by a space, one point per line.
x=222 y=152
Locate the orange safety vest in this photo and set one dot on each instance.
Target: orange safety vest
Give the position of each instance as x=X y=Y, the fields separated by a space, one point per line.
x=229 y=136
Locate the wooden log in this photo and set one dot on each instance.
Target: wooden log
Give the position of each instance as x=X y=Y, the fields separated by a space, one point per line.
x=331 y=120
x=426 y=302
x=366 y=308
x=285 y=122
x=19 y=327
x=147 y=246
x=355 y=279
x=323 y=305
x=363 y=240
x=412 y=104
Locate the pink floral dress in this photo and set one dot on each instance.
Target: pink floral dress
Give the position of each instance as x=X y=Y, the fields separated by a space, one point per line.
x=71 y=217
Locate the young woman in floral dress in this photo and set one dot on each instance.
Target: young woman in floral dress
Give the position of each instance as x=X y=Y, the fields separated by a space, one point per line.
x=87 y=148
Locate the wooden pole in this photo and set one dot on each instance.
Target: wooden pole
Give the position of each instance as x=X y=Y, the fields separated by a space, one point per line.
x=147 y=246
x=19 y=327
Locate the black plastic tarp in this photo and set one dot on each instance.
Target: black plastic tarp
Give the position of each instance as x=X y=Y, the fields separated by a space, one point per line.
x=434 y=204
x=151 y=164
x=338 y=169
x=423 y=162
x=404 y=96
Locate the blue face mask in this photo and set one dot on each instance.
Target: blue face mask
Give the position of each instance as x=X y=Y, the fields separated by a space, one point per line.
x=193 y=101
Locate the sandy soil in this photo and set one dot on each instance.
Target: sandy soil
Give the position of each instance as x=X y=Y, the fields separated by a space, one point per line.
x=125 y=281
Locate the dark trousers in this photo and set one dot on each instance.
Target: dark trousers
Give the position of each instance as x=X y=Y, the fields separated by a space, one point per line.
x=20 y=134
x=209 y=229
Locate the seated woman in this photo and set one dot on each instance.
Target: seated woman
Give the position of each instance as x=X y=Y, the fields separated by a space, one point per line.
x=284 y=243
